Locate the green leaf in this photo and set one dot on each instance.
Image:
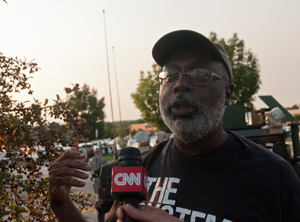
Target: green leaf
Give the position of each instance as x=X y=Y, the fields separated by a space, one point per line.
x=3 y=176
x=19 y=176
x=2 y=214
x=68 y=90
x=46 y=102
x=64 y=129
x=20 y=209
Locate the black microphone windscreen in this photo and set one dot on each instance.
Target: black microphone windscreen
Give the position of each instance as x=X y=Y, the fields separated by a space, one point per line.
x=130 y=156
x=130 y=151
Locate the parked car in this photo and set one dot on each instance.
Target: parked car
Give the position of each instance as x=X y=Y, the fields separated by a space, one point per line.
x=59 y=148
x=132 y=143
x=20 y=157
x=153 y=141
x=106 y=148
x=40 y=150
x=3 y=155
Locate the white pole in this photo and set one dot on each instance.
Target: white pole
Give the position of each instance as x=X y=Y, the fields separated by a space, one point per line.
x=121 y=125
x=111 y=106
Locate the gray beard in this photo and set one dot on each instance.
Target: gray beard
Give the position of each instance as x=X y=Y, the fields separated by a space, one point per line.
x=192 y=129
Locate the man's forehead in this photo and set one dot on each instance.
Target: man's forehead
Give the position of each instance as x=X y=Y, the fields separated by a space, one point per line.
x=195 y=58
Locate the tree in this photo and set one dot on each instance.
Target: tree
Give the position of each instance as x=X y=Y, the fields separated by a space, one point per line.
x=246 y=78
x=297 y=116
x=19 y=173
x=293 y=107
x=245 y=68
x=133 y=133
x=90 y=109
x=146 y=99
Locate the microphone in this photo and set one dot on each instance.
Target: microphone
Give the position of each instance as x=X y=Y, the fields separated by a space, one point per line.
x=129 y=179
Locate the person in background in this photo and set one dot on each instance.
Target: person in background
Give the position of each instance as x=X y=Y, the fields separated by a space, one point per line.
x=96 y=162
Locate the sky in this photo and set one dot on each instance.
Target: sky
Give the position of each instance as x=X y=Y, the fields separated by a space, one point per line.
x=67 y=40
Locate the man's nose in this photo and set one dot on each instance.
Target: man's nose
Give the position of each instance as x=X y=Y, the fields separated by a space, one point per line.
x=182 y=84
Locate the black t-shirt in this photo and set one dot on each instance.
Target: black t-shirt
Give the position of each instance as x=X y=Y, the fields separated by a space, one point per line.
x=241 y=181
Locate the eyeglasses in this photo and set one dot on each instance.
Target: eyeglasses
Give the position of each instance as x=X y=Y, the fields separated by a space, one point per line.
x=195 y=76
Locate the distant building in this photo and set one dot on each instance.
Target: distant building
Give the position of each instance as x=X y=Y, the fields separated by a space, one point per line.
x=142 y=126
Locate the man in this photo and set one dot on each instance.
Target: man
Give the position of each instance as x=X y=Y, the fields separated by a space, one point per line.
x=205 y=173
x=96 y=163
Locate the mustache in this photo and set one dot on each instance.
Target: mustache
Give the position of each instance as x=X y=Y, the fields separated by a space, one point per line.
x=183 y=97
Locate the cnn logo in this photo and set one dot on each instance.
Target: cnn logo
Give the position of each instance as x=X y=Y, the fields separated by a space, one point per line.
x=122 y=178
x=129 y=179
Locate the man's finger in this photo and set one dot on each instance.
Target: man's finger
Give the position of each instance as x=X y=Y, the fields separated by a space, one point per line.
x=72 y=154
x=67 y=181
x=70 y=163
x=145 y=208
x=67 y=171
x=73 y=149
x=136 y=213
x=120 y=213
x=149 y=214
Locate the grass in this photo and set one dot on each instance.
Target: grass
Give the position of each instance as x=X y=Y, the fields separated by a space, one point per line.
x=109 y=157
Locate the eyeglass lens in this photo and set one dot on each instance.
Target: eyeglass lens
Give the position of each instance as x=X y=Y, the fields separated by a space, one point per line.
x=197 y=76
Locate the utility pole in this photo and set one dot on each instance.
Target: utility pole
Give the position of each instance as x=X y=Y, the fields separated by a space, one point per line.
x=121 y=124
x=111 y=105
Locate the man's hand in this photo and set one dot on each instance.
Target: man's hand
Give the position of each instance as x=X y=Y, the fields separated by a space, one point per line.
x=145 y=214
x=61 y=175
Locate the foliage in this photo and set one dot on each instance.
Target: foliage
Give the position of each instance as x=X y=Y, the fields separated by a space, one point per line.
x=109 y=130
x=133 y=133
x=245 y=67
x=127 y=123
x=146 y=99
x=23 y=187
x=297 y=117
x=120 y=130
x=122 y=142
x=293 y=107
x=90 y=109
x=121 y=134
x=108 y=156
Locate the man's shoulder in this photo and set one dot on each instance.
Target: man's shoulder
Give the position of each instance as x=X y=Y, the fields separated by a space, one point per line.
x=94 y=158
x=103 y=159
x=159 y=146
x=156 y=151
x=261 y=153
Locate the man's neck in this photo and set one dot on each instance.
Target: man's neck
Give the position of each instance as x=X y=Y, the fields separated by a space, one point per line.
x=206 y=144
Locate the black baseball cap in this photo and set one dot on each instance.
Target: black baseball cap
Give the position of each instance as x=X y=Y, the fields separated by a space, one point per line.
x=180 y=38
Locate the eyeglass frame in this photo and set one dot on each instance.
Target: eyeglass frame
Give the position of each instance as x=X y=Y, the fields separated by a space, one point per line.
x=188 y=77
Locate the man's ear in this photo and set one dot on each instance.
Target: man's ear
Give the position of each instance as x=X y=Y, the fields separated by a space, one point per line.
x=229 y=90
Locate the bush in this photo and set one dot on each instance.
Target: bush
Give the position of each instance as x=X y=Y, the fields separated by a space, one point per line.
x=23 y=189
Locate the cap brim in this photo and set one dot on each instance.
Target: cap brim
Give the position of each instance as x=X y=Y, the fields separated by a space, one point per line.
x=181 y=38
